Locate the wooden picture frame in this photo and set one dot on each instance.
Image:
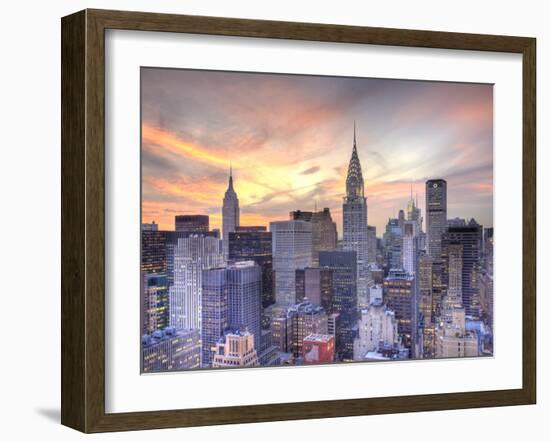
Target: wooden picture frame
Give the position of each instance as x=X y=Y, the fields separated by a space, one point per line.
x=83 y=220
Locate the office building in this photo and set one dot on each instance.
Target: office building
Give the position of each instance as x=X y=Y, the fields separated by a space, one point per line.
x=304 y=319
x=230 y=214
x=355 y=220
x=399 y=287
x=231 y=300
x=155 y=303
x=254 y=243
x=192 y=223
x=292 y=249
x=436 y=215
x=170 y=350
x=192 y=255
x=470 y=237
x=344 y=297
x=315 y=284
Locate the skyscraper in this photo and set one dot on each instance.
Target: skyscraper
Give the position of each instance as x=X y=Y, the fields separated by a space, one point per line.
x=315 y=284
x=324 y=234
x=244 y=295
x=399 y=297
x=425 y=276
x=254 y=244
x=344 y=299
x=214 y=312
x=230 y=214
x=192 y=223
x=410 y=247
x=292 y=249
x=355 y=220
x=155 y=303
x=192 y=255
x=371 y=241
x=413 y=212
x=436 y=215
x=470 y=236
x=231 y=301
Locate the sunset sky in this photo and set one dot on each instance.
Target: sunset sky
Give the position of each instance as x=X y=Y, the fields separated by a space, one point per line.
x=289 y=139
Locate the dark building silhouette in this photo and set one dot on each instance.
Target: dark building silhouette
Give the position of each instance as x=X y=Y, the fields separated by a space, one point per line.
x=344 y=298
x=192 y=223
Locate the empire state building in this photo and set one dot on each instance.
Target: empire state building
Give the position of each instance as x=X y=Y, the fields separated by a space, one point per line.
x=230 y=214
x=355 y=222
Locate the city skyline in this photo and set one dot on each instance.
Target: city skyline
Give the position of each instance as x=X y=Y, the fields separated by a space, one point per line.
x=312 y=267
x=186 y=159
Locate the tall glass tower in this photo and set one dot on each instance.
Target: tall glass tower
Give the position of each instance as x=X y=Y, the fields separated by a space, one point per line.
x=355 y=221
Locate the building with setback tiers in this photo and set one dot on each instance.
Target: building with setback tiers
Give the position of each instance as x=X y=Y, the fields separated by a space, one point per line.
x=355 y=221
x=235 y=350
x=230 y=214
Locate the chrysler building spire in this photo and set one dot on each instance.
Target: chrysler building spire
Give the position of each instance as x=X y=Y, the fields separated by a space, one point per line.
x=354 y=181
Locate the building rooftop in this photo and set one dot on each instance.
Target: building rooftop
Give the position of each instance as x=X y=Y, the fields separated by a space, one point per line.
x=317 y=337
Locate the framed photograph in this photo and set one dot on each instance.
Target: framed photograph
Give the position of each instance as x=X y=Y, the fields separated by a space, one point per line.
x=267 y=221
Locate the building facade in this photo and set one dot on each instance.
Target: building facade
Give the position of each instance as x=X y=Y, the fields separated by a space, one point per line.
x=192 y=223
x=436 y=215
x=192 y=255
x=377 y=328
x=344 y=298
x=170 y=350
x=355 y=221
x=318 y=349
x=315 y=285
x=235 y=350
x=254 y=244
x=230 y=214
x=292 y=249
x=155 y=306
